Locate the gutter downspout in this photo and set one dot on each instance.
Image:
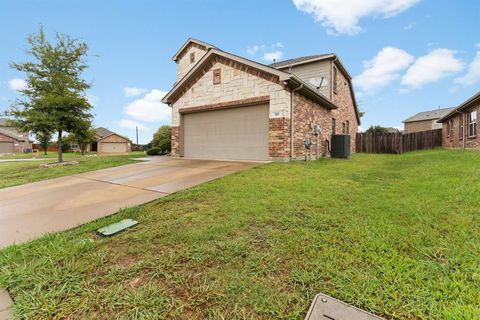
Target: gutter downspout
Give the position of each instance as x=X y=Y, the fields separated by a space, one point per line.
x=464 y=122
x=292 y=109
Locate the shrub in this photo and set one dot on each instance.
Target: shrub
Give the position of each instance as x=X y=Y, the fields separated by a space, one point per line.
x=154 y=152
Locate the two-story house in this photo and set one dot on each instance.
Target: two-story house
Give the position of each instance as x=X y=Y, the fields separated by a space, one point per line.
x=228 y=107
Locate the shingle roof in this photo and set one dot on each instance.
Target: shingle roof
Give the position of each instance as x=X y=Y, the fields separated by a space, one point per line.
x=103 y=132
x=288 y=62
x=12 y=134
x=464 y=106
x=430 y=115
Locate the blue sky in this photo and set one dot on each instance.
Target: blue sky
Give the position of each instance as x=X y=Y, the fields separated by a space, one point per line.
x=405 y=56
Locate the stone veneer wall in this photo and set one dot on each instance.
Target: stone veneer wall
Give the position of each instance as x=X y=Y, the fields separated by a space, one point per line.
x=175 y=150
x=456 y=141
x=183 y=60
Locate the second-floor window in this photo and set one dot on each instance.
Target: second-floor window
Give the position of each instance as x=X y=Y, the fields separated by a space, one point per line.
x=333 y=125
x=192 y=57
x=334 y=80
x=472 y=123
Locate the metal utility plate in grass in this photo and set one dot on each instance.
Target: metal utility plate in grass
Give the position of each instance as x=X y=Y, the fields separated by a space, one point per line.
x=117 y=227
x=327 y=308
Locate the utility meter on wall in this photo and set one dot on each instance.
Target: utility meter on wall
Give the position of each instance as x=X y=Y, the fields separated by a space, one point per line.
x=317 y=130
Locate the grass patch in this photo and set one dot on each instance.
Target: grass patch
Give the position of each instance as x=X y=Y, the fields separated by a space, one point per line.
x=396 y=235
x=15 y=173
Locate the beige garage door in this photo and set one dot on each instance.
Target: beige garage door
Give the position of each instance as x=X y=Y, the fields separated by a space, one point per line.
x=114 y=147
x=6 y=147
x=236 y=134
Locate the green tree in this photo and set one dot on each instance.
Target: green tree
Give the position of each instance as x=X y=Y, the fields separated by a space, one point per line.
x=54 y=99
x=377 y=130
x=162 y=139
x=83 y=136
x=44 y=138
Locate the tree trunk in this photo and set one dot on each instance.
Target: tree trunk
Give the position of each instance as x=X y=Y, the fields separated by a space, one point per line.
x=59 y=143
x=45 y=151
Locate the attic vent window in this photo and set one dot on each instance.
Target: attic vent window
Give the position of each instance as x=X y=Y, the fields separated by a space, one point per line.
x=217 y=76
x=334 y=82
x=192 y=57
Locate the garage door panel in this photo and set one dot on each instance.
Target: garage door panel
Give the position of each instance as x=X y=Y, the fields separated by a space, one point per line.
x=238 y=133
x=6 y=147
x=114 y=147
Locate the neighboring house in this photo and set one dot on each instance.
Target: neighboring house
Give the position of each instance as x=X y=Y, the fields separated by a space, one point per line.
x=393 y=130
x=426 y=120
x=460 y=125
x=109 y=142
x=12 y=141
x=228 y=107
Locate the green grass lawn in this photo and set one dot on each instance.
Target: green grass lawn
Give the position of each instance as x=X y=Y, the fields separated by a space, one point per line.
x=15 y=173
x=393 y=234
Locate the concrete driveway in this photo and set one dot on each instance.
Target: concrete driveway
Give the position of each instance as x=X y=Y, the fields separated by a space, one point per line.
x=30 y=210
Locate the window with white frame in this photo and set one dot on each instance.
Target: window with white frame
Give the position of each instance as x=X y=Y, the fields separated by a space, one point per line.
x=472 y=123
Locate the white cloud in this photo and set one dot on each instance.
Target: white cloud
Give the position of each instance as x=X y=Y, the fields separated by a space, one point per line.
x=150 y=108
x=133 y=91
x=473 y=74
x=17 y=84
x=383 y=69
x=274 y=55
x=130 y=124
x=432 y=67
x=267 y=52
x=253 y=50
x=342 y=17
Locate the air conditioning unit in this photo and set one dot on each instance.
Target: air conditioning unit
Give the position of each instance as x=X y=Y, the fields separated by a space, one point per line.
x=340 y=146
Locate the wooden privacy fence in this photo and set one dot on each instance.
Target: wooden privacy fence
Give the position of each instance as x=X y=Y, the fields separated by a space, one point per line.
x=398 y=142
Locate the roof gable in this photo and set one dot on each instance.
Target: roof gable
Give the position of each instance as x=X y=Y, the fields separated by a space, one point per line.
x=464 y=106
x=188 y=43
x=216 y=55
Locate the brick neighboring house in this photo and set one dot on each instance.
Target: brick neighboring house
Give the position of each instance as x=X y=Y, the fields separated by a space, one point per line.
x=109 y=142
x=228 y=107
x=12 y=141
x=426 y=120
x=460 y=128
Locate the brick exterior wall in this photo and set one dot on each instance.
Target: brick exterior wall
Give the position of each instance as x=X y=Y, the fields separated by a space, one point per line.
x=418 y=126
x=456 y=141
x=18 y=146
x=279 y=138
x=113 y=138
x=343 y=98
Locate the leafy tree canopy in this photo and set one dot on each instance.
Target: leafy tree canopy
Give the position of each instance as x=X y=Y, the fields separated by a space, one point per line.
x=54 y=99
x=162 y=139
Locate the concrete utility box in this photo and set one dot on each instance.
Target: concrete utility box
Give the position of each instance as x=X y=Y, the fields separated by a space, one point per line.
x=327 y=308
